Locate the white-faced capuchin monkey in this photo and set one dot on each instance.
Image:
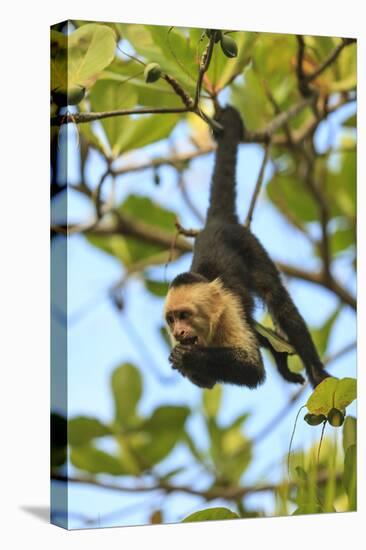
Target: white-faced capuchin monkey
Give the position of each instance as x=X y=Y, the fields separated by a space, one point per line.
x=209 y=310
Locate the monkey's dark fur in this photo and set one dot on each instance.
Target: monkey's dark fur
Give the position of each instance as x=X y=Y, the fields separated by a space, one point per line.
x=227 y=250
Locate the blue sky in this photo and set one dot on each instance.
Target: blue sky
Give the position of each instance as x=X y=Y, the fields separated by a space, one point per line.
x=99 y=339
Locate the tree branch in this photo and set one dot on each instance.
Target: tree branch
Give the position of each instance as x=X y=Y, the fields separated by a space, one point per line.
x=318 y=279
x=226 y=493
x=174 y=160
x=81 y=118
x=301 y=77
x=131 y=227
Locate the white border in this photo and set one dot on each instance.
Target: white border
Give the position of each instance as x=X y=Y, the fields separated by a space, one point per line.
x=24 y=350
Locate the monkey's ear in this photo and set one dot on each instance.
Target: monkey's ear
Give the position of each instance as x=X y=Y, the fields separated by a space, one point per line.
x=217 y=293
x=216 y=286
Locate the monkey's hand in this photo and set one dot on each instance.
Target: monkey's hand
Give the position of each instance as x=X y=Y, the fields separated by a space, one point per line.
x=177 y=358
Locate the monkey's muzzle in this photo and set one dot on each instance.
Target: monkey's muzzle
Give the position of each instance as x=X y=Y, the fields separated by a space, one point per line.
x=189 y=341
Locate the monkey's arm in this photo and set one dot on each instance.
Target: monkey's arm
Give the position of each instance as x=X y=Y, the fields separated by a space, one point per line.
x=217 y=364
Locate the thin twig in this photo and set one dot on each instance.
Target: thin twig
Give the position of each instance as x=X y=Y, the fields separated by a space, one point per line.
x=204 y=65
x=187 y=199
x=258 y=186
x=330 y=59
x=186 y=232
x=98 y=194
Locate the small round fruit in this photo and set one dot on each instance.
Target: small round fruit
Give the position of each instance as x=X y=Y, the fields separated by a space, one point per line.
x=152 y=72
x=68 y=96
x=314 y=419
x=229 y=46
x=335 y=417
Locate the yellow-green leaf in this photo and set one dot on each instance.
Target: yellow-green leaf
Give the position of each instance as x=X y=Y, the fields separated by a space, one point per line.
x=89 y=50
x=127 y=391
x=332 y=393
x=95 y=461
x=211 y=400
x=82 y=429
x=211 y=514
x=109 y=95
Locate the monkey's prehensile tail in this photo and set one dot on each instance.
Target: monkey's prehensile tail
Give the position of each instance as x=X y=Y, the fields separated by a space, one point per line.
x=223 y=192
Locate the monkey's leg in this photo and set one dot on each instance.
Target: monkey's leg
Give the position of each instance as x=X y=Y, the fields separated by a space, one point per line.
x=221 y=364
x=280 y=359
x=264 y=279
x=285 y=372
x=294 y=326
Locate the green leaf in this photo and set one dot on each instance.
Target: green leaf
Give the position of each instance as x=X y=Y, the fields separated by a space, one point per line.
x=230 y=450
x=82 y=55
x=143 y=208
x=251 y=101
x=289 y=195
x=145 y=130
x=132 y=73
x=196 y=453
x=159 y=288
x=341 y=185
x=321 y=400
x=211 y=514
x=350 y=122
x=108 y=95
x=346 y=75
x=308 y=508
x=83 y=429
x=166 y=418
x=238 y=421
x=349 y=432
x=163 y=430
x=211 y=400
x=350 y=476
x=302 y=475
x=127 y=391
x=131 y=250
x=94 y=140
x=278 y=343
x=95 y=461
x=342 y=239
x=171 y=48
x=332 y=393
x=345 y=393
x=275 y=69
x=321 y=336
x=115 y=245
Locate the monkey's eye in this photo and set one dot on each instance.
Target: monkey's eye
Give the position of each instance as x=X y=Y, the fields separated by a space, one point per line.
x=183 y=315
x=170 y=319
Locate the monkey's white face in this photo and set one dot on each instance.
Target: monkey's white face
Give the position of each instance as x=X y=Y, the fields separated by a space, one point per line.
x=180 y=323
x=186 y=316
